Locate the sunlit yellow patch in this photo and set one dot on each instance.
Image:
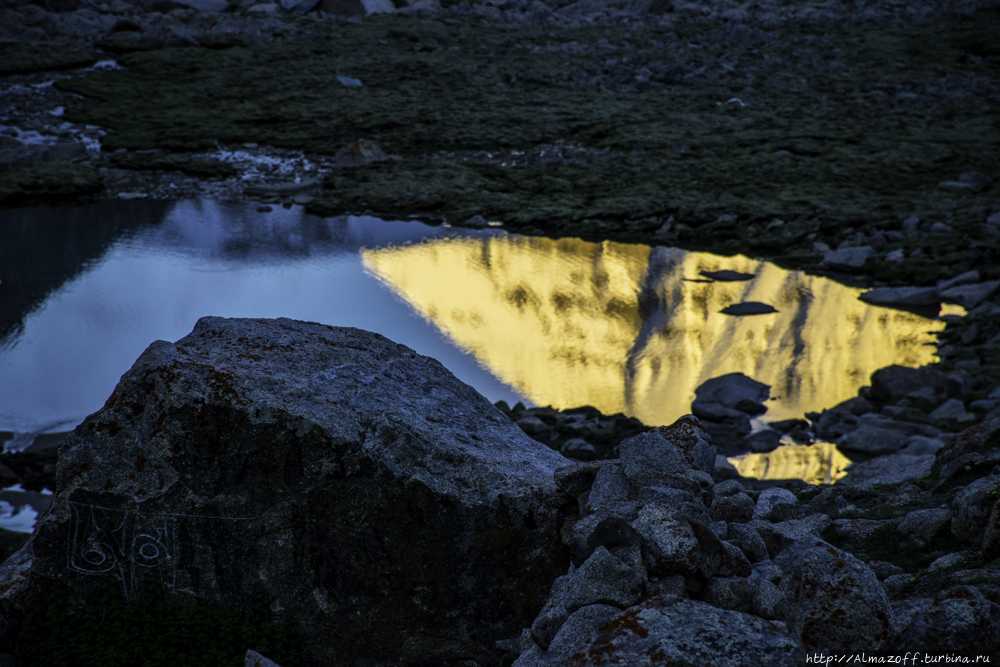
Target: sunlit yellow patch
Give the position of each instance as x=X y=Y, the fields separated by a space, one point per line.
x=819 y=463
x=634 y=329
x=952 y=309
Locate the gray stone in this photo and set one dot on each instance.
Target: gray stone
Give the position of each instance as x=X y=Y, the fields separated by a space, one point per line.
x=724 y=470
x=847 y=259
x=768 y=601
x=577 y=448
x=667 y=631
x=922 y=526
x=966 y=278
x=648 y=458
x=950 y=561
x=580 y=626
x=888 y=469
x=670 y=543
x=749 y=308
x=610 y=486
x=770 y=498
x=688 y=434
x=901 y=296
x=834 y=602
x=970 y=296
x=960 y=621
x=275 y=456
x=971 y=508
x=918 y=445
x=476 y=222
x=603 y=579
x=873 y=440
x=734 y=593
x=894 y=382
x=736 y=508
x=855 y=532
x=735 y=391
x=778 y=536
x=748 y=540
x=763 y=441
x=599 y=530
x=952 y=409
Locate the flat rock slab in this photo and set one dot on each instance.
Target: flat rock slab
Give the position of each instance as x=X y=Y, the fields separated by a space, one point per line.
x=390 y=508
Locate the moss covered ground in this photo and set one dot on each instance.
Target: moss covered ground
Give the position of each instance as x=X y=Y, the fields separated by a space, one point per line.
x=605 y=132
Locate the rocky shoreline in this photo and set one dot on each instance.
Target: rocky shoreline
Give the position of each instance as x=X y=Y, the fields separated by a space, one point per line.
x=643 y=557
x=855 y=140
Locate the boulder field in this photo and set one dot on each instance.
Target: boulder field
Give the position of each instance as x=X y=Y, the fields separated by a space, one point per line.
x=398 y=518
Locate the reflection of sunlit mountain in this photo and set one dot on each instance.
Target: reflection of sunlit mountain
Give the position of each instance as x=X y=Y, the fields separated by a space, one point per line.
x=633 y=329
x=821 y=463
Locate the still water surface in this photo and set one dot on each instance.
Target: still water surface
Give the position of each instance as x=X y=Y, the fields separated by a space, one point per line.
x=625 y=328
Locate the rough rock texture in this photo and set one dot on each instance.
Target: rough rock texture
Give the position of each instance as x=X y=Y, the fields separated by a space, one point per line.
x=835 y=601
x=959 y=621
x=666 y=631
x=971 y=509
x=386 y=505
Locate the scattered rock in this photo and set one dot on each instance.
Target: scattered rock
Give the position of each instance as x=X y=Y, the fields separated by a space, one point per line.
x=749 y=308
x=359 y=153
x=901 y=296
x=834 y=602
x=847 y=259
x=970 y=296
x=895 y=382
x=665 y=630
x=922 y=526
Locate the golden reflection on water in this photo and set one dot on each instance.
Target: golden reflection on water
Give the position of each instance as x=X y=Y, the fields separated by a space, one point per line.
x=634 y=329
x=819 y=463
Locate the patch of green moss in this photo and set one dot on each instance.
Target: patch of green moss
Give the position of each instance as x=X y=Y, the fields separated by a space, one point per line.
x=200 y=168
x=821 y=147
x=20 y=58
x=152 y=630
x=47 y=182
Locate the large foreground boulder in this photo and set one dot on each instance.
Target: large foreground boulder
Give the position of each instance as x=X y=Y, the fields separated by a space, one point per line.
x=385 y=505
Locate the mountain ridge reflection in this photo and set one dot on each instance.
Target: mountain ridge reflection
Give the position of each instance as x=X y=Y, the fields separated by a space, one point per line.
x=633 y=329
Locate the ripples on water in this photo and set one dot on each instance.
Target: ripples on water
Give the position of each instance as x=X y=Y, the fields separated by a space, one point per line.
x=625 y=328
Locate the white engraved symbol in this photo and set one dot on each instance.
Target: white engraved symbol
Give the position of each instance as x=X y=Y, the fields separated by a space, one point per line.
x=117 y=542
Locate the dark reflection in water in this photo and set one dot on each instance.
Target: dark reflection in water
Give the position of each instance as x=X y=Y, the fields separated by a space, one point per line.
x=43 y=248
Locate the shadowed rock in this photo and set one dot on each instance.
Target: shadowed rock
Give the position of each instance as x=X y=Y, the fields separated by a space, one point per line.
x=387 y=506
